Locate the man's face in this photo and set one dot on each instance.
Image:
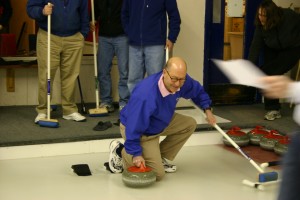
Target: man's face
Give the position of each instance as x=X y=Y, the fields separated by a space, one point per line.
x=174 y=79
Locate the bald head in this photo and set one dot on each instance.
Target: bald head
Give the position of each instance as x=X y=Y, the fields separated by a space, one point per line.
x=174 y=74
x=176 y=64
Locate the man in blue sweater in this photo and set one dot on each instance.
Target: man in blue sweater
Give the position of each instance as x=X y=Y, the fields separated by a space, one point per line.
x=145 y=23
x=150 y=113
x=69 y=27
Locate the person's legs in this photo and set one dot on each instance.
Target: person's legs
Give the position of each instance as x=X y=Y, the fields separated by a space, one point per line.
x=154 y=58
x=273 y=109
x=151 y=154
x=272 y=104
x=289 y=187
x=42 y=47
x=121 y=50
x=69 y=71
x=278 y=62
x=105 y=55
x=136 y=67
x=177 y=133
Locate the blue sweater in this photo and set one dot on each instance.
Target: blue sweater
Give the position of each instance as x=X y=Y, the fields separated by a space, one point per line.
x=145 y=21
x=67 y=18
x=149 y=113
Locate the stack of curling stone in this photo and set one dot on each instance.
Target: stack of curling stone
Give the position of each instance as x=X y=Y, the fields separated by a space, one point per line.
x=269 y=141
x=256 y=134
x=238 y=136
x=281 y=146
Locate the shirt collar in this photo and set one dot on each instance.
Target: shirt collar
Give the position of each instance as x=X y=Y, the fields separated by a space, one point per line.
x=162 y=88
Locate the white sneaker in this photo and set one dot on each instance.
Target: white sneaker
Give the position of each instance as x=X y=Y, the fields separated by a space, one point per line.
x=115 y=161
x=169 y=168
x=121 y=107
x=75 y=116
x=272 y=115
x=39 y=117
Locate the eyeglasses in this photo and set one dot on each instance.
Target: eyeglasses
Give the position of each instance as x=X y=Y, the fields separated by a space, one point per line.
x=175 y=79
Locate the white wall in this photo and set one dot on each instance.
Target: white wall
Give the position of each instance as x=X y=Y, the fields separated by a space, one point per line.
x=190 y=44
x=287 y=3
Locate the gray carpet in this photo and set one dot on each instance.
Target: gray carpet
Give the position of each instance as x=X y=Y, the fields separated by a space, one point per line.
x=18 y=128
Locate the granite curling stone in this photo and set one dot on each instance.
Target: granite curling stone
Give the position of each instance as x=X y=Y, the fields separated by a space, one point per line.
x=282 y=145
x=138 y=177
x=256 y=134
x=269 y=141
x=238 y=136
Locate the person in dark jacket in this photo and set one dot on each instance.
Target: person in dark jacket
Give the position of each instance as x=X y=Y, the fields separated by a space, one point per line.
x=5 y=15
x=145 y=23
x=112 y=42
x=150 y=113
x=69 y=28
x=278 y=34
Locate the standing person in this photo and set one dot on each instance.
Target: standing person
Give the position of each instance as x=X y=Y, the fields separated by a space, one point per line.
x=5 y=15
x=283 y=87
x=69 y=27
x=150 y=113
x=112 y=41
x=278 y=33
x=145 y=23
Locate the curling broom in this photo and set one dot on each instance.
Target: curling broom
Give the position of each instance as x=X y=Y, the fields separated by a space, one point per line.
x=262 y=176
x=96 y=112
x=52 y=123
x=259 y=185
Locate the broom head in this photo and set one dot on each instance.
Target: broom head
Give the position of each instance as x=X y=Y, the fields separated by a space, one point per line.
x=98 y=112
x=51 y=123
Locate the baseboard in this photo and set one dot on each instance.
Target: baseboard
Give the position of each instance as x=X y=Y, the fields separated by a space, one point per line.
x=93 y=146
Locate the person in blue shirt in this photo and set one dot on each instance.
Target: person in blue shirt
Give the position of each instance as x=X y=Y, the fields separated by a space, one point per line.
x=69 y=28
x=150 y=113
x=145 y=23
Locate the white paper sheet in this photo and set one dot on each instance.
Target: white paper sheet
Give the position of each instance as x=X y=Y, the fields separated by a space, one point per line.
x=241 y=72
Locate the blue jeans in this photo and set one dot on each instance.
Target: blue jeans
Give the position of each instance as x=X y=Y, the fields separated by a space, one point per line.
x=142 y=60
x=289 y=188
x=108 y=47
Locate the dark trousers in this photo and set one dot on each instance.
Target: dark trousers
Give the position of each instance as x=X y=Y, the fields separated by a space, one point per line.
x=278 y=62
x=289 y=188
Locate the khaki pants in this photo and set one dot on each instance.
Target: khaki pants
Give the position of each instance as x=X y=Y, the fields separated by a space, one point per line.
x=66 y=54
x=177 y=133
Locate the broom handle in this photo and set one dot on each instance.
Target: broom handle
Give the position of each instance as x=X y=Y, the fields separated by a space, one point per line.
x=237 y=147
x=167 y=54
x=95 y=56
x=48 y=67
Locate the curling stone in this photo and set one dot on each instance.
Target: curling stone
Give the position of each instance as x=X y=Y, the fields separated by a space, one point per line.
x=256 y=134
x=282 y=145
x=137 y=177
x=269 y=141
x=238 y=136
